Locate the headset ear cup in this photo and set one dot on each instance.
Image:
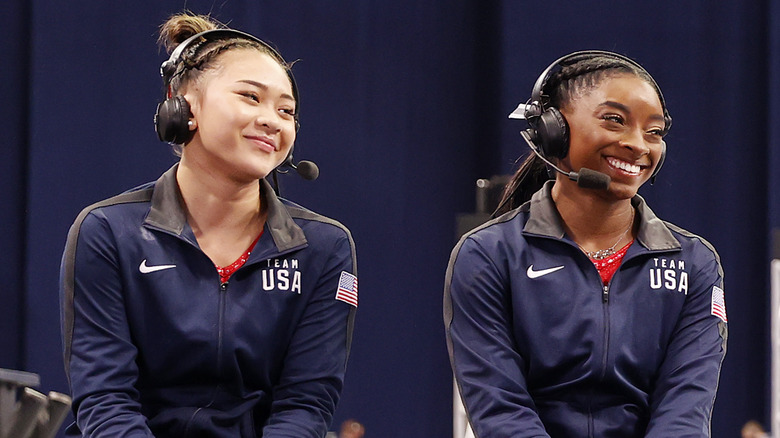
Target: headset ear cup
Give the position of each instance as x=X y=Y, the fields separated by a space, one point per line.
x=171 y=119
x=553 y=133
x=661 y=160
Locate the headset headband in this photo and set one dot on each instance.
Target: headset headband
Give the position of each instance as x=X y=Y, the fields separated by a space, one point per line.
x=537 y=103
x=168 y=68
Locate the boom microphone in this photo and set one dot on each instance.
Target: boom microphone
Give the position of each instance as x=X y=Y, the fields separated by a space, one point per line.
x=590 y=179
x=306 y=169
x=585 y=178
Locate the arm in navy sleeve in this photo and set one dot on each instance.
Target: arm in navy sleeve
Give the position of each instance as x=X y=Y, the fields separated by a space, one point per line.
x=488 y=368
x=684 y=392
x=99 y=353
x=314 y=367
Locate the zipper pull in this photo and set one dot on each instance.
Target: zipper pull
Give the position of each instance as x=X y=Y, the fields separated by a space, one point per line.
x=605 y=293
x=223 y=286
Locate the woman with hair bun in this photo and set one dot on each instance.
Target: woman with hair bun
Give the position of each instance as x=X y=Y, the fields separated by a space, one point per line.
x=202 y=304
x=578 y=312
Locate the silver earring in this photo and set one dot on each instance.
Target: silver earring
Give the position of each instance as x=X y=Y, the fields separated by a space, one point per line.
x=190 y=123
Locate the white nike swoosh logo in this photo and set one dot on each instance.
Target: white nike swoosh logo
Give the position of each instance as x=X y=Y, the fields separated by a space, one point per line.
x=147 y=269
x=536 y=274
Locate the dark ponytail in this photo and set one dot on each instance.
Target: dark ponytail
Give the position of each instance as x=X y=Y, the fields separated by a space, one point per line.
x=528 y=179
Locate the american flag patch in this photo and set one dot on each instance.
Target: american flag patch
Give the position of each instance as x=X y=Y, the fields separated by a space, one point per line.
x=347 y=290
x=718 y=307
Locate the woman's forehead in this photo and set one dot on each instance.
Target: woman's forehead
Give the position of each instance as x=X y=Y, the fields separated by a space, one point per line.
x=251 y=64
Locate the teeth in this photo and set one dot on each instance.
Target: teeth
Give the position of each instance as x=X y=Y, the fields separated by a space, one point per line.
x=630 y=168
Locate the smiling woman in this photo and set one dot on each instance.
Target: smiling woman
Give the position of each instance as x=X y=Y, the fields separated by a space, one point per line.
x=202 y=304
x=577 y=312
x=243 y=117
x=628 y=141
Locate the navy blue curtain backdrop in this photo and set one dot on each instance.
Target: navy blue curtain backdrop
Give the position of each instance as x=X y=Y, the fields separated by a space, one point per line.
x=14 y=113
x=773 y=115
x=404 y=106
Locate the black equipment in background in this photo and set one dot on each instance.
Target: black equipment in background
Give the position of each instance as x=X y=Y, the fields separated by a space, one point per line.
x=487 y=196
x=27 y=413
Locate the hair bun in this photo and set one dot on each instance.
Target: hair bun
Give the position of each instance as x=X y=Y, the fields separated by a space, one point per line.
x=181 y=26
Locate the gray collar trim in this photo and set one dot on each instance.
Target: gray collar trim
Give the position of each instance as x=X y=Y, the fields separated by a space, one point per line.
x=544 y=220
x=167 y=212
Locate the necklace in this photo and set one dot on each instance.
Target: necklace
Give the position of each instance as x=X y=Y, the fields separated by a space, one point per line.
x=601 y=254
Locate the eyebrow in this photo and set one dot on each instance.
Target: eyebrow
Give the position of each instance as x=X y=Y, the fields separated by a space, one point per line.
x=624 y=108
x=264 y=87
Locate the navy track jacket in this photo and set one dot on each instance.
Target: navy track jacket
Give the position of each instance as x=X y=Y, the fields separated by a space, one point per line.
x=541 y=348
x=156 y=345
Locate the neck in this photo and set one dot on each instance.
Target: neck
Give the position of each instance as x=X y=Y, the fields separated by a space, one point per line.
x=215 y=202
x=595 y=222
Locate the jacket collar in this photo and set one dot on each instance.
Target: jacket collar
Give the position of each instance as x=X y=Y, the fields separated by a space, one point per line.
x=167 y=212
x=544 y=220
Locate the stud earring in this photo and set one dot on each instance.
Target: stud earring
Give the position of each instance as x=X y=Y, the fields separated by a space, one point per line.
x=191 y=124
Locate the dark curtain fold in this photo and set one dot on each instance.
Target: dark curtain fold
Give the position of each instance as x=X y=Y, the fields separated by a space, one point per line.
x=772 y=118
x=14 y=114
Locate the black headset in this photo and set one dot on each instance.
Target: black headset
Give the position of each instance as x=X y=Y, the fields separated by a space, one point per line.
x=173 y=114
x=548 y=128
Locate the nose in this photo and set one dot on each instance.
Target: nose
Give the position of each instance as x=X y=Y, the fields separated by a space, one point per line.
x=268 y=119
x=634 y=139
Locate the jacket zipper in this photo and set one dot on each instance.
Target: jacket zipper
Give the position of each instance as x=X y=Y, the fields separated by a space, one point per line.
x=220 y=332
x=605 y=355
x=220 y=328
x=605 y=301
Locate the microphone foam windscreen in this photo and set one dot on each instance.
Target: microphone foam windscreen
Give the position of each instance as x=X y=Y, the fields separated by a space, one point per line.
x=590 y=179
x=308 y=170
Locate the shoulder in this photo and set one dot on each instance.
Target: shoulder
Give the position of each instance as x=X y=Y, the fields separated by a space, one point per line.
x=704 y=260
x=495 y=233
x=691 y=242
x=95 y=225
x=321 y=232
x=119 y=205
x=489 y=248
x=306 y=218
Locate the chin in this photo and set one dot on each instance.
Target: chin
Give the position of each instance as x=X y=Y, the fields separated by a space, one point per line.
x=247 y=175
x=622 y=191
x=261 y=169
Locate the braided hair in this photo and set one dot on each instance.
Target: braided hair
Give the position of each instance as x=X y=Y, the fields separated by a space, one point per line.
x=577 y=76
x=199 y=57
